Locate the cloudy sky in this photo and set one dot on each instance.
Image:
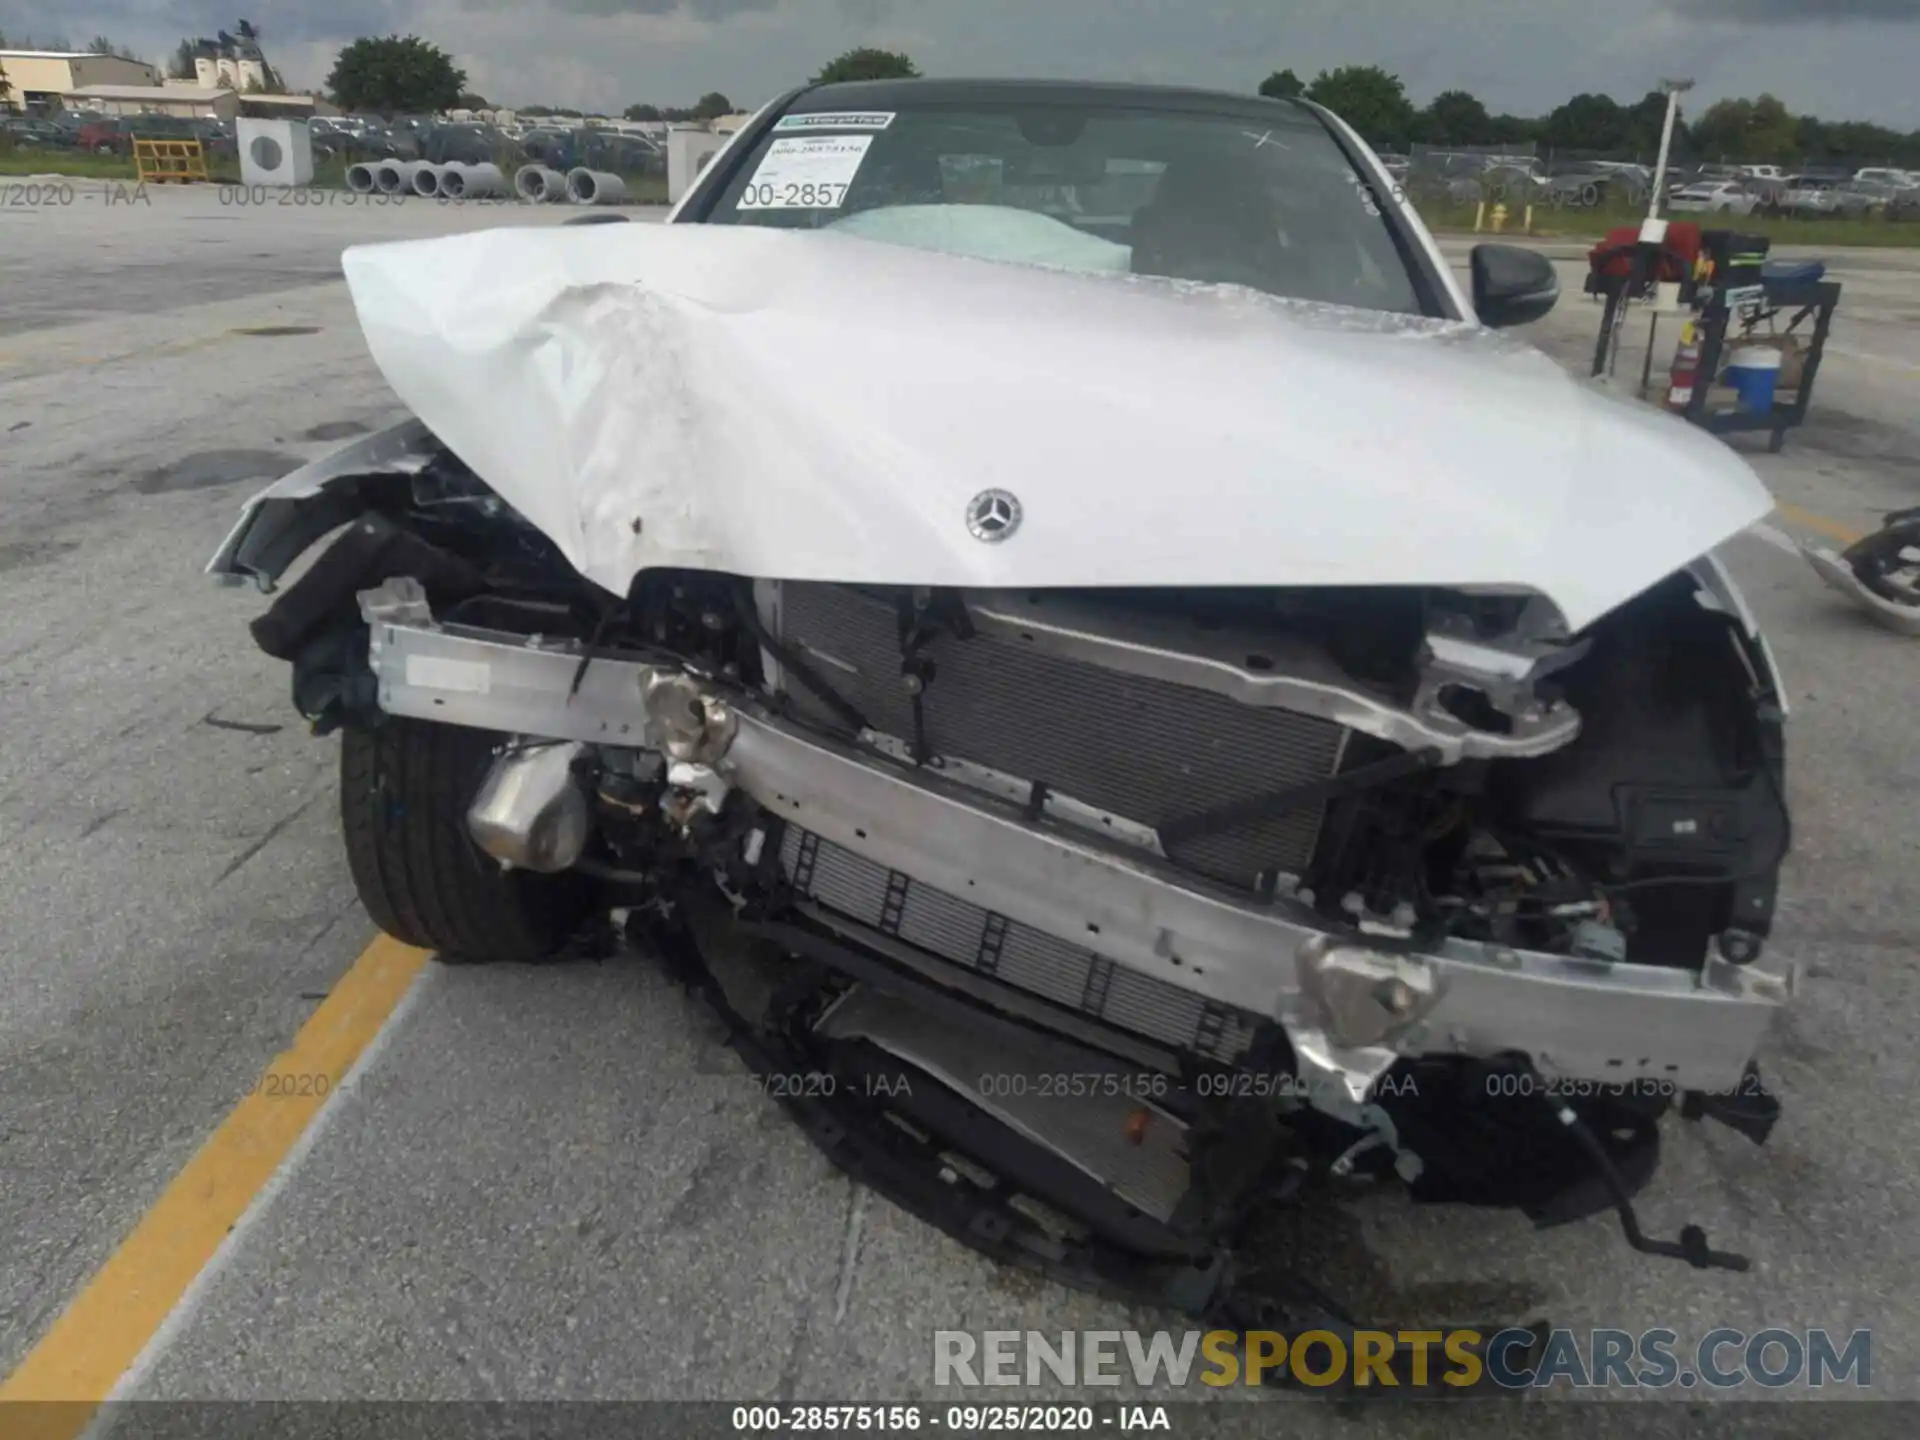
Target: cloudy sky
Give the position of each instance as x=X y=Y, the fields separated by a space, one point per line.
x=1842 y=59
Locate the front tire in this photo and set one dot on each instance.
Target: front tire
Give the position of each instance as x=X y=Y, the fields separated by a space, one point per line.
x=404 y=791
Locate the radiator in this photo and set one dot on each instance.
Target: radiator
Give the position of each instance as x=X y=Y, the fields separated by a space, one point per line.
x=1143 y=749
x=1017 y=955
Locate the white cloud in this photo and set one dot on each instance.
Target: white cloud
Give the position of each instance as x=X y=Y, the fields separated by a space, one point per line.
x=1522 y=56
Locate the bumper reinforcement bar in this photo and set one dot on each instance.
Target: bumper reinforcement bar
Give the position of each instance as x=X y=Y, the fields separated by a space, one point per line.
x=1351 y=1008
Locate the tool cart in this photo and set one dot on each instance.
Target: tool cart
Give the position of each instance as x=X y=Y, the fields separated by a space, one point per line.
x=1735 y=298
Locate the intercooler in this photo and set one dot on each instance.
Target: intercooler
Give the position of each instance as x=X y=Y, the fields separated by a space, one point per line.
x=987 y=944
x=1142 y=749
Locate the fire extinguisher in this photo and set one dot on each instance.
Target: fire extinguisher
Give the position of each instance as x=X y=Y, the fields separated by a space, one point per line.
x=1686 y=369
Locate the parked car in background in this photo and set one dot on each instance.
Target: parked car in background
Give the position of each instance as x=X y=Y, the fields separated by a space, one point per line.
x=551 y=146
x=104 y=137
x=1628 y=171
x=1815 y=194
x=114 y=135
x=1765 y=183
x=1713 y=197
x=1883 y=175
x=356 y=137
x=378 y=142
x=468 y=143
x=218 y=138
x=1589 y=185
x=623 y=154
x=31 y=132
x=1685 y=177
x=1810 y=195
x=350 y=137
x=1512 y=181
x=215 y=136
x=1855 y=198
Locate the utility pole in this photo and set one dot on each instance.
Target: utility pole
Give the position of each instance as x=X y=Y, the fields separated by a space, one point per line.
x=1674 y=89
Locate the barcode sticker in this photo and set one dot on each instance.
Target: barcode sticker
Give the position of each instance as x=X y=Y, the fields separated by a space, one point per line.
x=466 y=677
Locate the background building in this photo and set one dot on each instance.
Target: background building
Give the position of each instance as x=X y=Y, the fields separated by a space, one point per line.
x=41 y=77
x=190 y=101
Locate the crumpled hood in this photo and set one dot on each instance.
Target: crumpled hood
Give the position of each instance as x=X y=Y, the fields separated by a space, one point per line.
x=821 y=407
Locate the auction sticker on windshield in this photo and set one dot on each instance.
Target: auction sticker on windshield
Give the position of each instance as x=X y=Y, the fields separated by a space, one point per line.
x=809 y=174
x=837 y=120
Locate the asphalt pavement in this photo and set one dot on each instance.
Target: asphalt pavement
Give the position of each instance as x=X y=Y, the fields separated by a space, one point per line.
x=554 y=1183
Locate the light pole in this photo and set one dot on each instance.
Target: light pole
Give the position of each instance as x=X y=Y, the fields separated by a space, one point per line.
x=1653 y=235
x=1674 y=89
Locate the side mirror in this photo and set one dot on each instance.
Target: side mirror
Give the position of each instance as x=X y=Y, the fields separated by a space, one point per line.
x=1512 y=286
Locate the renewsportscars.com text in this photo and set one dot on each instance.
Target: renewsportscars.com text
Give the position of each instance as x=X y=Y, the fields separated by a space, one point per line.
x=1515 y=1359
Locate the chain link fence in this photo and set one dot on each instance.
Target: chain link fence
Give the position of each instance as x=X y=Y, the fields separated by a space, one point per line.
x=1614 y=182
x=1519 y=176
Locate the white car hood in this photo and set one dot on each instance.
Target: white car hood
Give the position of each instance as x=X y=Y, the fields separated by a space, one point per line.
x=814 y=406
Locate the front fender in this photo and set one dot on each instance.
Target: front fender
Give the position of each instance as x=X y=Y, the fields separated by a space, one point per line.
x=278 y=525
x=1711 y=574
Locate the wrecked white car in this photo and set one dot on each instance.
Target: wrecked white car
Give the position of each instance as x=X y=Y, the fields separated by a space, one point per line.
x=1047 y=606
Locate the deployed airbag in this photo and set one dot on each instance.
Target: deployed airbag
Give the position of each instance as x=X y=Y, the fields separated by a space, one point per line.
x=989 y=232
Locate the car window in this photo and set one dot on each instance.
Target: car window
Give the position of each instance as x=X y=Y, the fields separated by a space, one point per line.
x=1273 y=204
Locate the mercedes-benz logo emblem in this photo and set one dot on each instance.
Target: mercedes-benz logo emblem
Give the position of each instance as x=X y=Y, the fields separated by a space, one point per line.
x=993 y=515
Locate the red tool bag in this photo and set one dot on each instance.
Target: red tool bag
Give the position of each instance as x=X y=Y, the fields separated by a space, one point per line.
x=1612 y=258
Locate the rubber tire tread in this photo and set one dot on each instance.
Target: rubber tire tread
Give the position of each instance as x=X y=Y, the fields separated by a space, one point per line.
x=404 y=789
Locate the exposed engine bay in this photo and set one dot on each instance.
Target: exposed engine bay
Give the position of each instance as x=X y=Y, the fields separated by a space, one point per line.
x=1116 y=916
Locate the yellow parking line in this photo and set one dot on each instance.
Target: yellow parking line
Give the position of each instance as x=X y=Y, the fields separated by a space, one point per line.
x=1819 y=524
x=14 y=357
x=110 y=1322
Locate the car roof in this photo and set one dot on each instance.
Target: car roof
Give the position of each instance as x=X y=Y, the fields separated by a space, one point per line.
x=1093 y=94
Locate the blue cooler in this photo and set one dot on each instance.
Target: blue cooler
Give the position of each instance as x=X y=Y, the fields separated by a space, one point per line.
x=1754 y=373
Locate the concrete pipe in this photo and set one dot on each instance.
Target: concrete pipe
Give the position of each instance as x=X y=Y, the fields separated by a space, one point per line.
x=360 y=178
x=390 y=178
x=424 y=178
x=594 y=187
x=537 y=185
x=459 y=181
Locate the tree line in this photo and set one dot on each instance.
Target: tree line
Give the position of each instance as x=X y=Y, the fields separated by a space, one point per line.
x=398 y=74
x=863 y=63
x=1375 y=103
x=405 y=75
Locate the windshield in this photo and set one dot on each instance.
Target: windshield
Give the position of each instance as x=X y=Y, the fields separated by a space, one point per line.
x=1273 y=203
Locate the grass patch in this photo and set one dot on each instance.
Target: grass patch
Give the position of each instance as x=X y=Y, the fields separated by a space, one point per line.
x=1569 y=223
x=84 y=165
x=75 y=164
